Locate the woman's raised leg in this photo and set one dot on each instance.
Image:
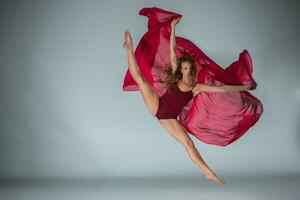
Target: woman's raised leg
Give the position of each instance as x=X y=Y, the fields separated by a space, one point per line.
x=174 y=127
x=150 y=97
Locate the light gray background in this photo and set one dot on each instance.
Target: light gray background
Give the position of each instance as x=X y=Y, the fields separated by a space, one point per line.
x=63 y=111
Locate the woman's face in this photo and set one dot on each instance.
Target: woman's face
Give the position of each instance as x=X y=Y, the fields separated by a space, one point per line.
x=185 y=68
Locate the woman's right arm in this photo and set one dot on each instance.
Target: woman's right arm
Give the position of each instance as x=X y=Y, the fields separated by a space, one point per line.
x=173 y=55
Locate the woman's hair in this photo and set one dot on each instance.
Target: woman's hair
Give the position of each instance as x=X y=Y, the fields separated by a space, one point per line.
x=173 y=78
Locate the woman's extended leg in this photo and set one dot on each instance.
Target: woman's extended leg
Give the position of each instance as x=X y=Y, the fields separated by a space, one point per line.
x=150 y=97
x=174 y=127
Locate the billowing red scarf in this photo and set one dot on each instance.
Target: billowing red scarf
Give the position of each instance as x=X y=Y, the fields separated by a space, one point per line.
x=215 y=118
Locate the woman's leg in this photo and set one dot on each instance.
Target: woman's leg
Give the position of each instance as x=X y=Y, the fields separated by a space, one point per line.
x=150 y=97
x=174 y=127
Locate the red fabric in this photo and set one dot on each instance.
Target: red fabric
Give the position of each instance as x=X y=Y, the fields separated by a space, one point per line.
x=212 y=117
x=168 y=108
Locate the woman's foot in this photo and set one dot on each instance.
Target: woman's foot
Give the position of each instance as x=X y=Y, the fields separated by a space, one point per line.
x=214 y=177
x=128 y=41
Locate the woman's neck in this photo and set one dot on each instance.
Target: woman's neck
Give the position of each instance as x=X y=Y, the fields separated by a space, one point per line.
x=186 y=81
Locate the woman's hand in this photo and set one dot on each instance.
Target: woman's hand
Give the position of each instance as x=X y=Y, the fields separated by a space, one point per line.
x=251 y=86
x=128 y=41
x=175 y=21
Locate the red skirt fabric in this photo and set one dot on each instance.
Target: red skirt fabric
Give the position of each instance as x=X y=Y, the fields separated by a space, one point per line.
x=213 y=117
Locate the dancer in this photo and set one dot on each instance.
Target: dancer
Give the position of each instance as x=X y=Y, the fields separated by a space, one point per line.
x=181 y=86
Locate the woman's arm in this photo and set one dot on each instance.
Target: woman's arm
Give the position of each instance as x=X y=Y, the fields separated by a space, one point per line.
x=224 y=88
x=173 y=55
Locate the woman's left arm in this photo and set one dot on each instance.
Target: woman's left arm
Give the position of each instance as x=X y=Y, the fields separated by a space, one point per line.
x=200 y=87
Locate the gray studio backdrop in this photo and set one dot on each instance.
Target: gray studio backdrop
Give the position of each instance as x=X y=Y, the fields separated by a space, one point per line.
x=63 y=111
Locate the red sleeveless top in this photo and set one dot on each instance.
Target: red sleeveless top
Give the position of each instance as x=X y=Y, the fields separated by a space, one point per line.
x=172 y=102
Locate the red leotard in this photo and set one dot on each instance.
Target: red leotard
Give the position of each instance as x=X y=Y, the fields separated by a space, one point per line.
x=172 y=102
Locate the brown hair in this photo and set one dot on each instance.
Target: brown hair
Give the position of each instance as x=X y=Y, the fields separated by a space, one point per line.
x=173 y=78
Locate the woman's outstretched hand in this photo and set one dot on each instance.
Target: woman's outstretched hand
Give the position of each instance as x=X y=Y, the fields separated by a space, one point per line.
x=251 y=86
x=128 y=41
x=175 y=21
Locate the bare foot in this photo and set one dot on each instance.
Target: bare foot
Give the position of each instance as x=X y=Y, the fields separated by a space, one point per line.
x=128 y=41
x=214 y=177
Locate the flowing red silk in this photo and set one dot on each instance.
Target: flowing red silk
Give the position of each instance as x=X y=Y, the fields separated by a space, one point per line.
x=215 y=118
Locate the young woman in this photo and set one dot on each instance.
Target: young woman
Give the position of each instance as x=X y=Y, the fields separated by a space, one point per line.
x=182 y=86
